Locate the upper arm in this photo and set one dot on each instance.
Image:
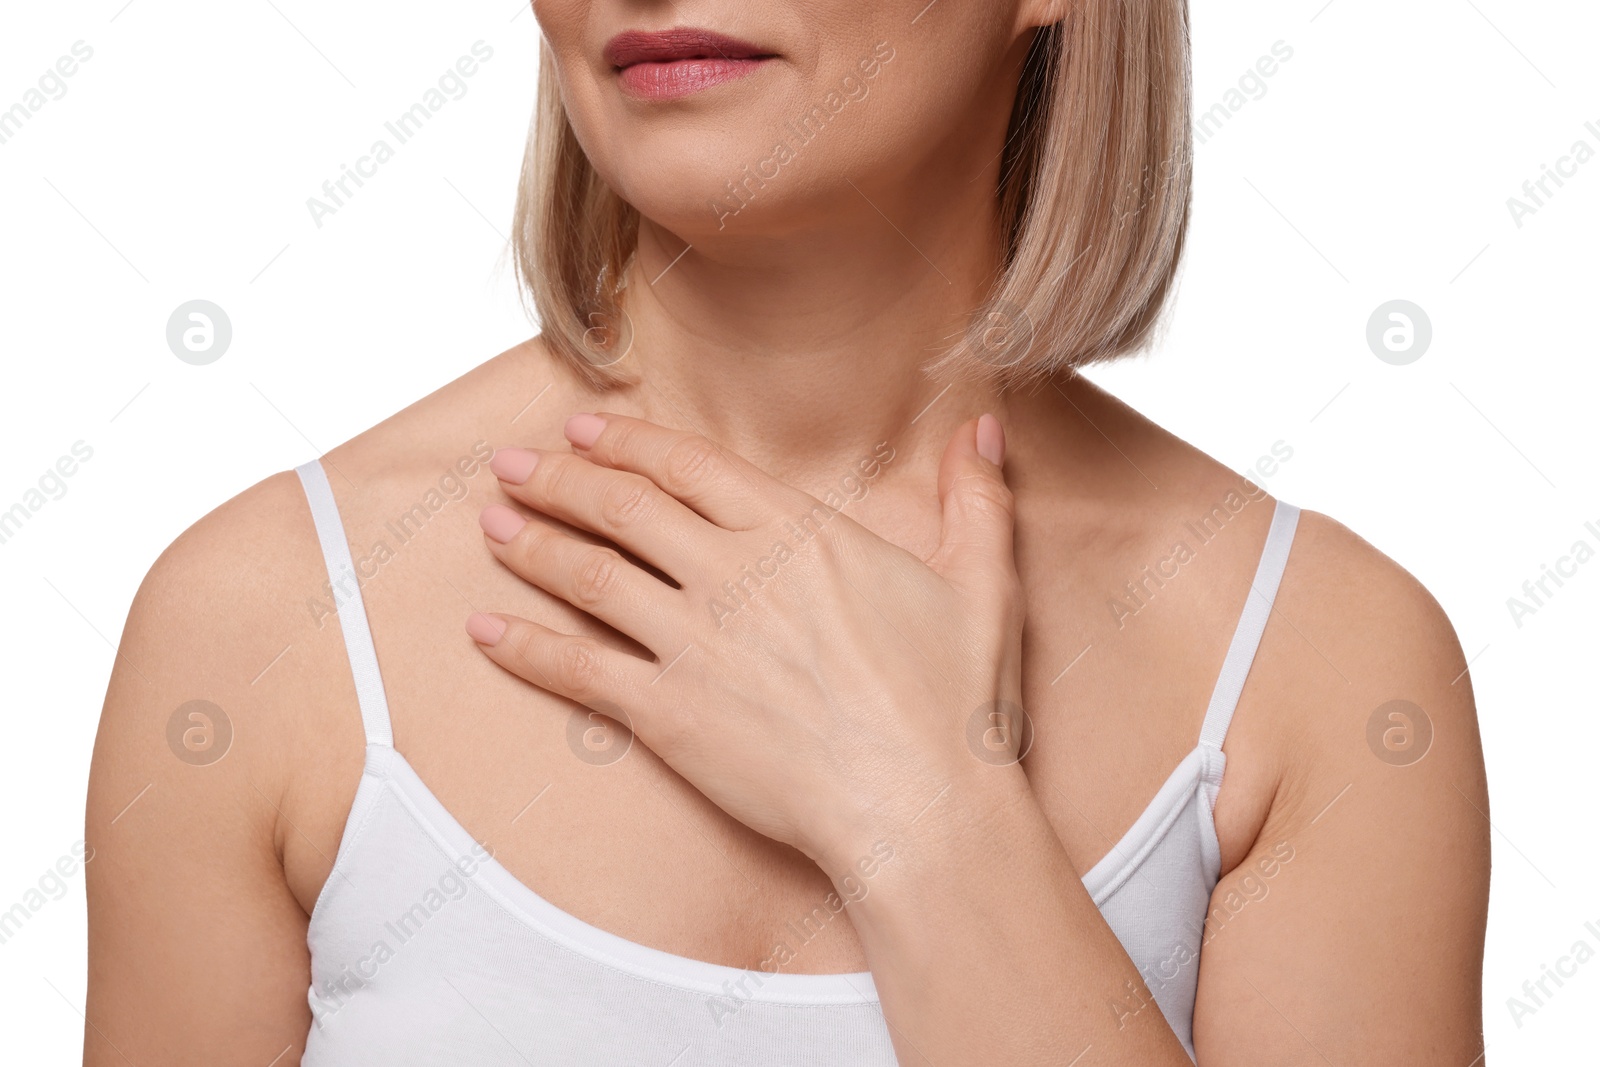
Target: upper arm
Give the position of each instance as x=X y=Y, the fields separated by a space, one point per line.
x=1353 y=931
x=197 y=950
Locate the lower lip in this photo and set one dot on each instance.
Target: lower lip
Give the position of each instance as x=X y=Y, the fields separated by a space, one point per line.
x=668 y=81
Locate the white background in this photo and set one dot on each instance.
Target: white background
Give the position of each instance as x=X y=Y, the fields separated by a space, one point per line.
x=1376 y=166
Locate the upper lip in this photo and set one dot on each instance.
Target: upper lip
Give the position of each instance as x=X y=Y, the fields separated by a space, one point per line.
x=667 y=46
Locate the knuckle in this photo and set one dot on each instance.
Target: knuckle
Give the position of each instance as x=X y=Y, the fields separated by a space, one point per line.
x=555 y=478
x=621 y=439
x=988 y=496
x=628 y=503
x=1013 y=602
x=531 y=545
x=577 y=667
x=1001 y=598
x=833 y=541
x=523 y=642
x=689 y=463
x=596 y=578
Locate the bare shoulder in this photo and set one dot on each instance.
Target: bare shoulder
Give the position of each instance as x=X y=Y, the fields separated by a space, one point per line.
x=260 y=546
x=244 y=591
x=1350 y=630
x=1353 y=816
x=1359 y=696
x=204 y=623
x=195 y=734
x=228 y=754
x=1357 y=735
x=1373 y=655
x=187 y=777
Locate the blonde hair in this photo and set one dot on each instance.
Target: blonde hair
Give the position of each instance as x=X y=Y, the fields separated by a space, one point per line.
x=1093 y=199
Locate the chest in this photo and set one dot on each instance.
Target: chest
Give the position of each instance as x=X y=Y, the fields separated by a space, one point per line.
x=596 y=825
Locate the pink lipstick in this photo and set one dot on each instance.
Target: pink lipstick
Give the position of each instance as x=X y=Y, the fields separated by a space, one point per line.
x=675 y=63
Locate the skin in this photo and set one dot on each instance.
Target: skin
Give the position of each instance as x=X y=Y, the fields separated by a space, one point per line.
x=791 y=339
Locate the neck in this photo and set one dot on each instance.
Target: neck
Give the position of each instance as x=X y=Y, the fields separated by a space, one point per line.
x=799 y=353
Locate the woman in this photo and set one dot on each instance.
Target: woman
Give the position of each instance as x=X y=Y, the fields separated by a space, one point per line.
x=799 y=482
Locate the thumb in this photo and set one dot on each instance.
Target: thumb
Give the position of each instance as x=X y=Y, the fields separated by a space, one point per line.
x=978 y=509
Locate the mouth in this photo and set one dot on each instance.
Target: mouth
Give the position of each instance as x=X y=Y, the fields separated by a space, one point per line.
x=678 y=62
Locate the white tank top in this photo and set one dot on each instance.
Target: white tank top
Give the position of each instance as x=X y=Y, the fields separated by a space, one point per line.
x=425 y=951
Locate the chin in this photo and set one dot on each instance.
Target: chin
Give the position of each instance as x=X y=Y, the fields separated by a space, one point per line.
x=722 y=171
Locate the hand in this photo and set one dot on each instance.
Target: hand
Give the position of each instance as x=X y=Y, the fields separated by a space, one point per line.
x=813 y=680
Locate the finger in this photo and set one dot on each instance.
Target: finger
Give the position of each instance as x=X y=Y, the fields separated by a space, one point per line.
x=581 y=669
x=592 y=578
x=975 y=539
x=621 y=507
x=726 y=488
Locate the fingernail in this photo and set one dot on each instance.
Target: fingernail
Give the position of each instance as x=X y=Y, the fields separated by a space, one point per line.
x=485 y=629
x=501 y=523
x=583 y=430
x=991 y=440
x=514 y=465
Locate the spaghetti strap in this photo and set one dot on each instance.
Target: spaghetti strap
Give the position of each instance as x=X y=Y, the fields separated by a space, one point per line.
x=1252 y=622
x=345 y=586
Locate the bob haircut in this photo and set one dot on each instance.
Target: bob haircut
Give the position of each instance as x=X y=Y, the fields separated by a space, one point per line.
x=1093 y=199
